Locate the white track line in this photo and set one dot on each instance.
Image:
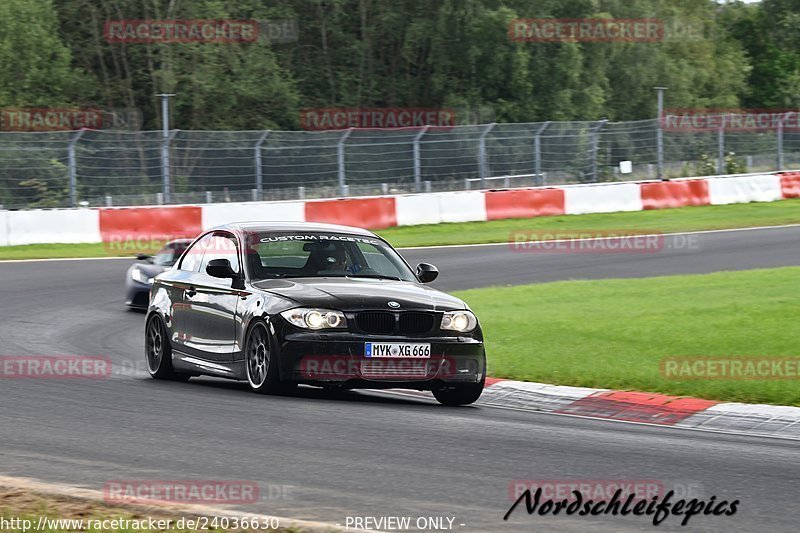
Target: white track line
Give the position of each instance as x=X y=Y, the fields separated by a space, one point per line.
x=131 y=258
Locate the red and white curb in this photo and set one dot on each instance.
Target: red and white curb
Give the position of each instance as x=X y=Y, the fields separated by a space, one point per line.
x=645 y=407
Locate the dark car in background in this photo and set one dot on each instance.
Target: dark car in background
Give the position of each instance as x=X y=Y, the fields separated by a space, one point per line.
x=139 y=277
x=278 y=304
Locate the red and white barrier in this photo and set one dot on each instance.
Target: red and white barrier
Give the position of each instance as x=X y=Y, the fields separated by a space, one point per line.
x=524 y=203
x=378 y=212
x=218 y=214
x=3 y=228
x=39 y=226
x=667 y=194
x=603 y=198
x=790 y=184
x=436 y=208
x=147 y=223
x=740 y=190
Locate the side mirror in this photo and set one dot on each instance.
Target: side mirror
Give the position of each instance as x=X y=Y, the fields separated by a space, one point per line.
x=142 y=257
x=221 y=268
x=427 y=272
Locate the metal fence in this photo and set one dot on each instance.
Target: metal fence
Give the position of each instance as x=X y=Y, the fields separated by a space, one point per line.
x=103 y=167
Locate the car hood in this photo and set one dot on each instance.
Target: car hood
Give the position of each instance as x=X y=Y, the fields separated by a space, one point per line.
x=361 y=293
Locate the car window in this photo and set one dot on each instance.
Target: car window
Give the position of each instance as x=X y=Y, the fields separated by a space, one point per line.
x=221 y=246
x=194 y=255
x=375 y=260
x=169 y=254
x=284 y=255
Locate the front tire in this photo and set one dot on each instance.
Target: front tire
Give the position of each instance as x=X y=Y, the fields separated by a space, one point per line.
x=459 y=394
x=261 y=362
x=158 y=351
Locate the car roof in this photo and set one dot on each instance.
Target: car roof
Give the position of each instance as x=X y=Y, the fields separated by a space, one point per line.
x=293 y=226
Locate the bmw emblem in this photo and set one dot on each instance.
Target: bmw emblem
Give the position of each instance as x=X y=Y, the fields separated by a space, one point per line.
x=394 y=305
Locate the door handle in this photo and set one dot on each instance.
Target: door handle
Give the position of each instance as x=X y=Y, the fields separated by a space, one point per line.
x=190 y=292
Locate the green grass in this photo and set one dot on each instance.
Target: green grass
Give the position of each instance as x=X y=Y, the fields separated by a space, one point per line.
x=614 y=333
x=52 y=251
x=662 y=221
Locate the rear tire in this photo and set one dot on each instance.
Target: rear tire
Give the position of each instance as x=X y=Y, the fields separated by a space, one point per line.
x=459 y=394
x=158 y=351
x=261 y=363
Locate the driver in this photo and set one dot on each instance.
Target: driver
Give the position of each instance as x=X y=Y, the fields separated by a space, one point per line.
x=336 y=259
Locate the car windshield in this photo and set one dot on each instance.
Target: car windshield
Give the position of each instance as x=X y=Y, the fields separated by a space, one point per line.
x=169 y=254
x=303 y=255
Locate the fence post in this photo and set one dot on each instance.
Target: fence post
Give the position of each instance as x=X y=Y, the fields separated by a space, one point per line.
x=73 y=169
x=660 y=132
x=482 y=166
x=340 y=156
x=165 y=164
x=721 y=149
x=417 y=159
x=259 y=176
x=537 y=152
x=780 y=141
x=595 y=142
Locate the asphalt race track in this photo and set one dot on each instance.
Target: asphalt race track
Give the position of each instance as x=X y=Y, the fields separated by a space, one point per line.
x=365 y=454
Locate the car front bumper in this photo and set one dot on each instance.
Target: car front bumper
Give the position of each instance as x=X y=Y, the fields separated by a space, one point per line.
x=137 y=295
x=338 y=359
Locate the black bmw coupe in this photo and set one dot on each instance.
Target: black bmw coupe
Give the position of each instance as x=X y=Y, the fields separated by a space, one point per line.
x=278 y=304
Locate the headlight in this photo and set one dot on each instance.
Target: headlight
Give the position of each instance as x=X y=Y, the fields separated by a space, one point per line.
x=315 y=318
x=141 y=277
x=462 y=321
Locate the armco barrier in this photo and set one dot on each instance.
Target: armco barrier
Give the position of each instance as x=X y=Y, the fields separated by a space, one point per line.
x=126 y=224
x=39 y=226
x=790 y=184
x=376 y=213
x=667 y=194
x=159 y=222
x=603 y=198
x=217 y=214
x=525 y=203
x=743 y=189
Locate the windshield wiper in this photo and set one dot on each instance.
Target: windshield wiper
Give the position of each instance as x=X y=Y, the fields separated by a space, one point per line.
x=376 y=276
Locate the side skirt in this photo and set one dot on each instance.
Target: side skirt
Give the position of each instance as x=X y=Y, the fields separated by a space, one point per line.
x=195 y=365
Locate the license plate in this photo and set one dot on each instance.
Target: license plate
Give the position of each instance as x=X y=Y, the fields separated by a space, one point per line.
x=395 y=349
